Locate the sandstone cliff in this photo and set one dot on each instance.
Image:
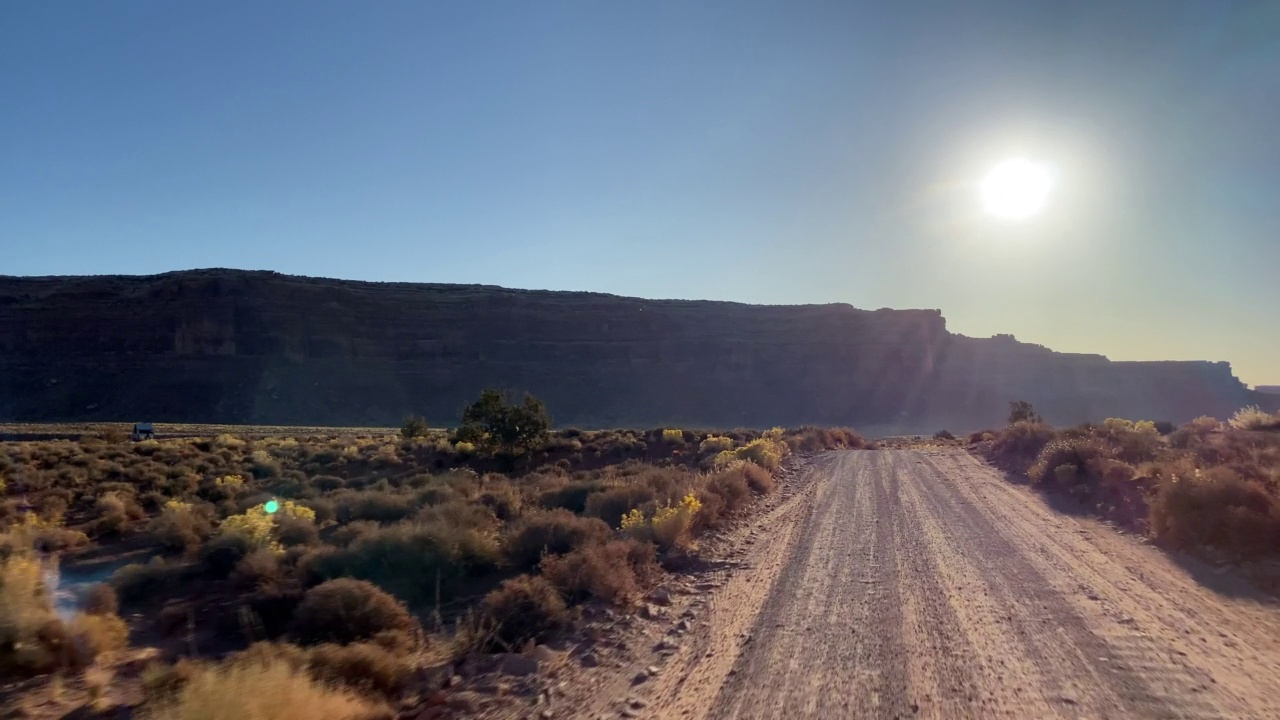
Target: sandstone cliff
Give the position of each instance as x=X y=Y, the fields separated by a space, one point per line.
x=259 y=347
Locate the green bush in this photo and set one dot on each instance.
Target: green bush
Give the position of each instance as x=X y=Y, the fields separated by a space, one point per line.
x=1021 y=411
x=504 y=425
x=414 y=427
x=135 y=582
x=410 y=560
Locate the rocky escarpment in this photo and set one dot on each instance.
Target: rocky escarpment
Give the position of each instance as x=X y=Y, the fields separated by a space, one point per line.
x=256 y=347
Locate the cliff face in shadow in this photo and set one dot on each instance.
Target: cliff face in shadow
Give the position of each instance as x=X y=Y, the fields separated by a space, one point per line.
x=256 y=347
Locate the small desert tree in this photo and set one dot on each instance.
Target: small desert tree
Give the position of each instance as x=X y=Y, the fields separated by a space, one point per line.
x=500 y=424
x=414 y=426
x=1022 y=411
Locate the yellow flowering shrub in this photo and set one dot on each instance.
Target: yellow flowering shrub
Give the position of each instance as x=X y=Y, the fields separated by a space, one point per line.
x=668 y=528
x=258 y=526
x=675 y=436
x=230 y=481
x=715 y=444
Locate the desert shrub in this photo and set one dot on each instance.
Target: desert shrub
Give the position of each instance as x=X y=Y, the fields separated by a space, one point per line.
x=1133 y=442
x=254 y=529
x=1020 y=443
x=179 y=527
x=97 y=634
x=221 y=555
x=262 y=465
x=1078 y=454
x=410 y=560
x=1113 y=471
x=1216 y=508
x=246 y=689
x=551 y=532
x=610 y=505
x=347 y=610
x=527 y=607
x=943 y=435
x=259 y=568
x=760 y=481
x=714 y=444
x=811 y=439
x=673 y=436
x=113 y=514
x=767 y=452
x=504 y=425
x=373 y=505
x=415 y=426
x=1253 y=418
x=292 y=532
x=273 y=608
x=135 y=581
x=1164 y=427
x=161 y=682
x=505 y=501
x=1021 y=411
x=366 y=667
x=32 y=639
x=616 y=572
x=731 y=485
x=352 y=531
x=324 y=509
x=571 y=497
x=669 y=526
x=101 y=600
x=327 y=483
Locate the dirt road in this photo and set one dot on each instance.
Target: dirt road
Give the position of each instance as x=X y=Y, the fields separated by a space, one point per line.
x=902 y=584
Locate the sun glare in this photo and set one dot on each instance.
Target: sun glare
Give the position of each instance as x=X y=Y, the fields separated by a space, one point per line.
x=1016 y=189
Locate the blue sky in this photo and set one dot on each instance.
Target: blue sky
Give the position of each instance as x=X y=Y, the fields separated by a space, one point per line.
x=759 y=152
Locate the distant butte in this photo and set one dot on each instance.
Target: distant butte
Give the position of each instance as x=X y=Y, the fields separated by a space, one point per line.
x=230 y=346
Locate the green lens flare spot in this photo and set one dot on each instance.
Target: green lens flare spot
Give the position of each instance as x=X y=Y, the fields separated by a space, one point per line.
x=271 y=507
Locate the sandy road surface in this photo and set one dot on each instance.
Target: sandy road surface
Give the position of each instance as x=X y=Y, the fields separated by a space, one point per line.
x=904 y=584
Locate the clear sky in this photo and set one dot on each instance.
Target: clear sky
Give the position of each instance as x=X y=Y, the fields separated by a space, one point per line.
x=787 y=152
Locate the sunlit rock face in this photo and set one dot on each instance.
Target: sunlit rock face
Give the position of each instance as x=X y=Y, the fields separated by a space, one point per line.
x=255 y=347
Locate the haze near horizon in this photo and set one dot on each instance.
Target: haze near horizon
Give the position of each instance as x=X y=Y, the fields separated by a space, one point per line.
x=1094 y=177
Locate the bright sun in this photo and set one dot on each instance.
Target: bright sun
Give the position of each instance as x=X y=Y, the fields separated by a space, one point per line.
x=1016 y=189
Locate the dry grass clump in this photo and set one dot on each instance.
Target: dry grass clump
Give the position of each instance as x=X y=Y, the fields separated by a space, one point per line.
x=273 y=689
